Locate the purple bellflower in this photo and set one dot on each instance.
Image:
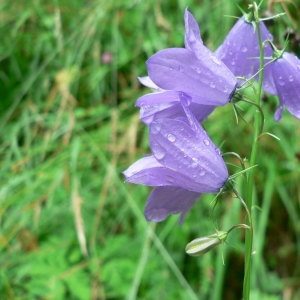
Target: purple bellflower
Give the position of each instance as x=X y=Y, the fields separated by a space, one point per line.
x=185 y=164
x=194 y=70
x=166 y=104
x=282 y=78
x=240 y=49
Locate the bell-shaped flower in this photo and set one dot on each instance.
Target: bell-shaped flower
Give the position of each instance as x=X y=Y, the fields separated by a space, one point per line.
x=185 y=164
x=240 y=49
x=194 y=70
x=166 y=104
x=283 y=80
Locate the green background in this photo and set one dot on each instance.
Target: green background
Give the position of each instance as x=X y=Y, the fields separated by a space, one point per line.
x=69 y=226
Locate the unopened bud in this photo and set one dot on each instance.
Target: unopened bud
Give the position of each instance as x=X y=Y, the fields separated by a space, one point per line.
x=202 y=245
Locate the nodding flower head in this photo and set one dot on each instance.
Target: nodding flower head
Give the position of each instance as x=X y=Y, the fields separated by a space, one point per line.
x=185 y=164
x=283 y=76
x=240 y=49
x=194 y=70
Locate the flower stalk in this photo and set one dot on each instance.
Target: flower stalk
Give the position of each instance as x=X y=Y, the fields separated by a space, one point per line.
x=258 y=123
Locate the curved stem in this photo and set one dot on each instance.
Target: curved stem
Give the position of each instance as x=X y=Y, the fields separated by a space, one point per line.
x=261 y=113
x=236 y=155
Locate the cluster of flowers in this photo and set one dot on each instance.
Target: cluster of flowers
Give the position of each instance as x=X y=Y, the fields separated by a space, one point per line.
x=188 y=84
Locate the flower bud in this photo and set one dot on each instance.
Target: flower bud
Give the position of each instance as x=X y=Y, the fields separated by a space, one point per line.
x=202 y=245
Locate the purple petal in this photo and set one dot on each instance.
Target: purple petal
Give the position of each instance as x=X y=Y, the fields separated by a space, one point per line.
x=146 y=81
x=278 y=113
x=192 y=37
x=208 y=81
x=156 y=106
x=149 y=171
x=268 y=81
x=191 y=154
x=286 y=75
x=240 y=49
x=157 y=98
x=164 y=201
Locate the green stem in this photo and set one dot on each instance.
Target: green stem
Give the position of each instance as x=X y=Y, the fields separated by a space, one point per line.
x=253 y=158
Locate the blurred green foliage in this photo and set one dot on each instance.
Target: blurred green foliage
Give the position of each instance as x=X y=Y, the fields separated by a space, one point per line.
x=69 y=226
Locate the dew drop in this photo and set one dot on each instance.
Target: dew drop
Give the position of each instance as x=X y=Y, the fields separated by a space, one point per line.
x=230 y=52
x=206 y=142
x=225 y=89
x=233 y=62
x=244 y=48
x=280 y=80
x=202 y=172
x=160 y=153
x=182 y=149
x=195 y=159
x=298 y=66
x=195 y=162
x=198 y=70
x=170 y=69
x=171 y=138
x=218 y=151
x=212 y=85
x=291 y=78
x=155 y=128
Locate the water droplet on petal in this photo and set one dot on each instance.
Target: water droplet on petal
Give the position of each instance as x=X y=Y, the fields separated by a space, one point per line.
x=198 y=70
x=291 y=78
x=195 y=162
x=244 y=48
x=298 y=66
x=218 y=151
x=170 y=69
x=206 y=142
x=182 y=149
x=156 y=127
x=160 y=153
x=171 y=138
x=225 y=89
x=212 y=85
x=280 y=80
x=202 y=172
x=233 y=62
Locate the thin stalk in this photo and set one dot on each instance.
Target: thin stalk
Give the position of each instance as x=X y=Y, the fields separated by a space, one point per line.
x=253 y=158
